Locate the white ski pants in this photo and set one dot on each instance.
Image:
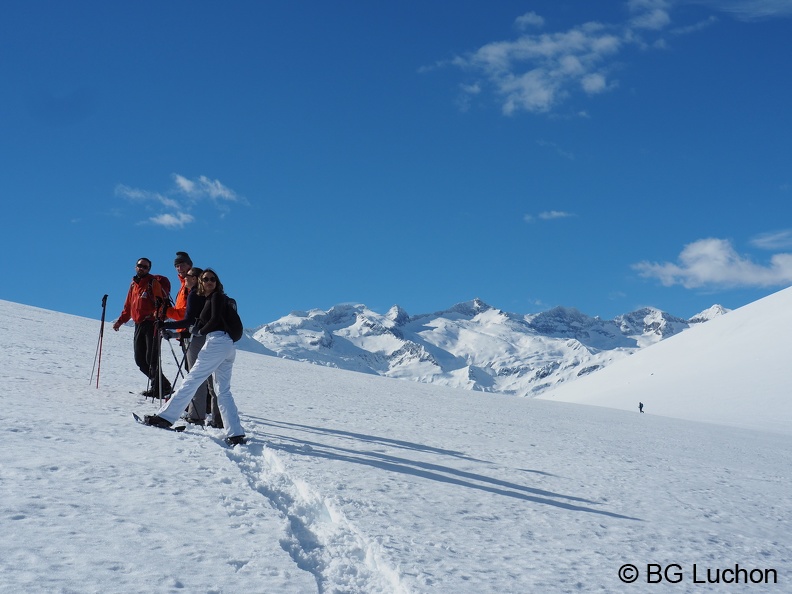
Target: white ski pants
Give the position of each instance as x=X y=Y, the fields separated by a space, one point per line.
x=216 y=357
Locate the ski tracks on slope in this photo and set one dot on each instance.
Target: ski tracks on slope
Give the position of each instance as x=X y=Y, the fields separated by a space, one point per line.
x=318 y=537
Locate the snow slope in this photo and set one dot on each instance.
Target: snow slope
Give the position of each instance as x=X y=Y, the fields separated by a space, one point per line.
x=361 y=484
x=734 y=370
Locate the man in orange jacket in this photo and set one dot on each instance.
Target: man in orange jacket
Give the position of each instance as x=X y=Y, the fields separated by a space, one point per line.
x=145 y=292
x=183 y=263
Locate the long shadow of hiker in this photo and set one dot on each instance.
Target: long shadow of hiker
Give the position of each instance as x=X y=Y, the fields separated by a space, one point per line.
x=425 y=470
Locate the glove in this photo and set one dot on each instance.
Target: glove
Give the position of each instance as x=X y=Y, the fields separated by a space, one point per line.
x=167 y=334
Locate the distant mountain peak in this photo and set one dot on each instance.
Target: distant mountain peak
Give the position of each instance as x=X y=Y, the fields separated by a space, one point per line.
x=470 y=345
x=397 y=315
x=469 y=308
x=709 y=314
x=650 y=320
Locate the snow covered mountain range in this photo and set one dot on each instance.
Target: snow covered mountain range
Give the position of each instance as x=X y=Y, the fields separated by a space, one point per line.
x=471 y=345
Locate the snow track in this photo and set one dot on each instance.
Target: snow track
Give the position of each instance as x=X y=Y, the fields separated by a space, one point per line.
x=318 y=537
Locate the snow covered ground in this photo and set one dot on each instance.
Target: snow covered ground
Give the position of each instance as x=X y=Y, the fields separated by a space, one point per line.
x=362 y=484
x=734 y=370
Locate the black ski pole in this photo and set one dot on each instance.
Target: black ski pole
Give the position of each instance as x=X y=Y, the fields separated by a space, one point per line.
x=151 y=384
x=158 y=339
x=98 y=353
x=159 y=367
x=176 y=359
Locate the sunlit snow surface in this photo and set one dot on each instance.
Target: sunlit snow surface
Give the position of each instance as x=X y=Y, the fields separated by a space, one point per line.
x=357 y=483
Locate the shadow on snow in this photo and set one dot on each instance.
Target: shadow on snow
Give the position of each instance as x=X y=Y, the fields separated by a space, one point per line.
x=425 y=470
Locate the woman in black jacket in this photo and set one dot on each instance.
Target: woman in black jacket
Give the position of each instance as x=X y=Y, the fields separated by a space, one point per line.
x=215 y=358
x=205 y=396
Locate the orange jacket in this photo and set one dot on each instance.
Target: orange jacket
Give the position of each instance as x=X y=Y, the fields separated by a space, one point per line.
x=139 y=305
x=179 y=309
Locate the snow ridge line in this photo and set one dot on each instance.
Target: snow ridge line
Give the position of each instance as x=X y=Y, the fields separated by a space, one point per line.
x=319 y=538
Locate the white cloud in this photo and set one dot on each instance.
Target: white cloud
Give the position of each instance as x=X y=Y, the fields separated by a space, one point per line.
x=204 y=187
x=555 y=214
x=594 y=83
x=529 y=19
x=532 y=91
x=750 y=10
x=548 y=215
x=185 y=185
x=136 y=195
x=650 y=14
x=686 y=30
x=715 y=263
x=173 y=221
x=774 y=240
x=536 y=73
x=176 y=205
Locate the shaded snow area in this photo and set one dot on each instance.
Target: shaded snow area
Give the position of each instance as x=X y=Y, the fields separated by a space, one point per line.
x=356 y=483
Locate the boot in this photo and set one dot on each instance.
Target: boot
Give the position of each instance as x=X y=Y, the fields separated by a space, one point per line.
x=156 y=421
x=236 y=440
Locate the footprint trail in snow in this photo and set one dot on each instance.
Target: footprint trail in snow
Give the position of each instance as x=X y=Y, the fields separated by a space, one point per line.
x=317 y=536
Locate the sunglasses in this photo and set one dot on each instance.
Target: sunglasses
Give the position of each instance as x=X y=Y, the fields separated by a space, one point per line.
x=142 y=266
x=209 y=279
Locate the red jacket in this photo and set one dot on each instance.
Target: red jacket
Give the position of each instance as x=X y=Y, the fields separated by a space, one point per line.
x=139 y=305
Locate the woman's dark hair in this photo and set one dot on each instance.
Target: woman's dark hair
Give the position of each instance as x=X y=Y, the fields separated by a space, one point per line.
x=218 y=284
x=196 y=272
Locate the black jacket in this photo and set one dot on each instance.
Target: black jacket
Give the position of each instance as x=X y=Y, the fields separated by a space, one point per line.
x=212 y=316
x=195 y=305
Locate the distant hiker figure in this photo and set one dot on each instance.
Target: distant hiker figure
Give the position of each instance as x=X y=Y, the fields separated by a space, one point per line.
x=640 y=407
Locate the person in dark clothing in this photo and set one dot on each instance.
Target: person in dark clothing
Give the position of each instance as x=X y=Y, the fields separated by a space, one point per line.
x=640 y=407
x=216 y=357
x=144 y=293
x=194 y=304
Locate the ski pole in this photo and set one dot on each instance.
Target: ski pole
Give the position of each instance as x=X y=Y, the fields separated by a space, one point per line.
x=176 y=358
x=179 y=371
x=98 y=353
x=158 y=338
x=159 y=367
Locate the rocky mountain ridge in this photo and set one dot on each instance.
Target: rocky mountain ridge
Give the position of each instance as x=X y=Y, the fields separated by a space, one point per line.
x=471 y=345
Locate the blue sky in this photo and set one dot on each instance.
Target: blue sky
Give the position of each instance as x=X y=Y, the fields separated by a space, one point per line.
x=598 y=155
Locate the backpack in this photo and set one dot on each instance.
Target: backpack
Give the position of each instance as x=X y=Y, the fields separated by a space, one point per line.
x=233 y=322
x=165 y=284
